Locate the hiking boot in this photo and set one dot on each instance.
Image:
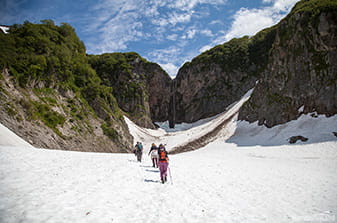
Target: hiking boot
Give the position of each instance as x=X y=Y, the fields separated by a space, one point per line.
x=165 y=179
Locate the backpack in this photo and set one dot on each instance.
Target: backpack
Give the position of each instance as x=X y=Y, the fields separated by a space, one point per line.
x=154 y=153
x=162 y=155
x=139 y=147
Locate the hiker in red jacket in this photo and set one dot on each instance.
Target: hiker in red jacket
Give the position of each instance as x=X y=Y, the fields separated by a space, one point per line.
x=163 y=163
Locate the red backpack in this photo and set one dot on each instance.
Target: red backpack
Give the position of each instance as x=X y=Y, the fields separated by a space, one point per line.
x=162 y=156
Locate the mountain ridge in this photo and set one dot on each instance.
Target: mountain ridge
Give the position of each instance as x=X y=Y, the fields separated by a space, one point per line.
x=221 y=75
x=55 y=96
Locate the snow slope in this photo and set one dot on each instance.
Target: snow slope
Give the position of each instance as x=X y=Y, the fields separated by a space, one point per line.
x=251 y=176
x=317 y=128
x=8 y=138
x=185 y=133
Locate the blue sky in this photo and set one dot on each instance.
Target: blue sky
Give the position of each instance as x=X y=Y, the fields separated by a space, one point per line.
x=166 y=32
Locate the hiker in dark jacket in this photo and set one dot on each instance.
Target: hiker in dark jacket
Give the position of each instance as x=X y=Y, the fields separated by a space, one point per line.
x=154 y=155
x=163 y=163
x=139 y=151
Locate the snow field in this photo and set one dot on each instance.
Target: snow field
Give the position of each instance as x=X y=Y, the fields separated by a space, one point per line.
x=9 y=138
x=249 y=174
x=219 y=183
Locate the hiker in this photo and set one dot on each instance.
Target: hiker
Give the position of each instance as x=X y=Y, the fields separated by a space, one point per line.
x=139 y=151
x=154 y=155
x=163 y=163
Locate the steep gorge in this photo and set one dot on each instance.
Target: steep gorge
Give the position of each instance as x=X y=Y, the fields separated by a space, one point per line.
x=301 y=76
x=142 y=88
x=51 y=97
x=55 y=96
x=292 y=65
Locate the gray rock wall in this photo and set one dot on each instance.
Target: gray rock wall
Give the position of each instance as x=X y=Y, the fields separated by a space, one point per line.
x=302 y=71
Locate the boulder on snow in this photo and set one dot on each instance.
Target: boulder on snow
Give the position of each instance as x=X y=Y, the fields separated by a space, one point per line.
x=294 y=139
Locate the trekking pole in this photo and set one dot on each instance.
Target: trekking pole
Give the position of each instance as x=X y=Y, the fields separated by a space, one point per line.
x=170 y=175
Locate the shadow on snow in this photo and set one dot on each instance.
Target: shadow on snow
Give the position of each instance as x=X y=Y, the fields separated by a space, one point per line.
x=151 y=181
x=154 y=171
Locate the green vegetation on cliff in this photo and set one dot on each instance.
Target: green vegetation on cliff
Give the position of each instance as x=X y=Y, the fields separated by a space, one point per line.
x=301 y=71
x=125 y=73
x=238 y=53
x=43 y=52
x=46 y=58
x=314 y=6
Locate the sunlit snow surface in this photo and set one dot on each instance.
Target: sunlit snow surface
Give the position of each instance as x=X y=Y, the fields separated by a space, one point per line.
x=250 y=174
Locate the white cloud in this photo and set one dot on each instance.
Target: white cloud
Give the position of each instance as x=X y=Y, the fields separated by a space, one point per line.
x=216 y=22
x=207 y=32
x=179 y=18
x=116 y=23
x=120 y=22
x=172 y=37
x=251 y=21
x=166 y=55
x=170 y=59
x=189 y=34
x=160 y=22
x=190 y=4
x=173 y=18
x=205 y=48
x=170 y=68
x=283 y=5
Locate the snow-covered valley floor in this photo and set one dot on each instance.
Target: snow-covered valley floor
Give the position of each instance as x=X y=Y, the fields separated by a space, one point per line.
x=219 y=183
x=249 y=174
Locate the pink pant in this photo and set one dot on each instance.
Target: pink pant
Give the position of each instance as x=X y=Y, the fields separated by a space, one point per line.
x=163 y=169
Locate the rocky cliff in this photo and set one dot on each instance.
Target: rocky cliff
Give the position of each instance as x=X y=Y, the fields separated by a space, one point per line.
x=55 y=96
x=220 y=76
x=51 y=97
x=142 y=89
x=301 y=75
x=293 y=63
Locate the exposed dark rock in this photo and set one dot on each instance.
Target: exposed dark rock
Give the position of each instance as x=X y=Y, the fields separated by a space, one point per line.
x=295 y=63
x=301 y=72
x=294 y=139
x=79 y=132
x=142 y=89
x=65 y=102
x=218 y=77
x=158 y=83
x=202 y=141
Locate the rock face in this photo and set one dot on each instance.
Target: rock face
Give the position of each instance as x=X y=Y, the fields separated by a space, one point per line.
x=217 y=78
x=51 y=96
x=294 y=139
x=55 y=96
x=158 y=85
x=292 y=65
x=60 y=120
x=301 y=75
x=142 y=89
